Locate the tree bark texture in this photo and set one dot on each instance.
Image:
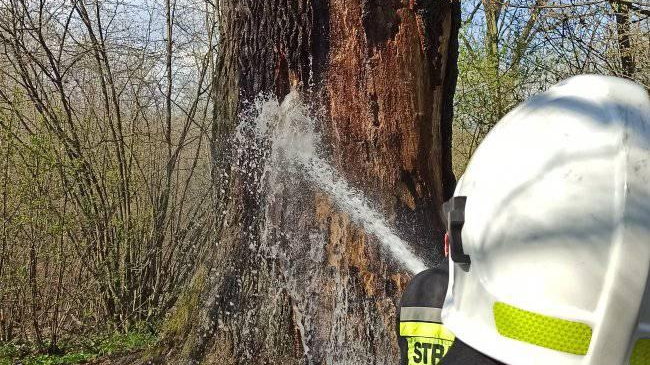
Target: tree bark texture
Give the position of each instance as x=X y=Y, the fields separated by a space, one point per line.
x=380 y=74
x=623 y=32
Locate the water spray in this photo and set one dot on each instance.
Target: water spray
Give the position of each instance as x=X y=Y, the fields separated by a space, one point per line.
x=289 y=131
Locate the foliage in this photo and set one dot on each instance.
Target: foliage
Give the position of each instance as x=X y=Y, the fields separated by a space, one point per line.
x=79 y=350
x=105 y=177
x=512 y=50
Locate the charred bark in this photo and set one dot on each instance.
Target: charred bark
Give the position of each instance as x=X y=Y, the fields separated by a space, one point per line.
x=380 y=75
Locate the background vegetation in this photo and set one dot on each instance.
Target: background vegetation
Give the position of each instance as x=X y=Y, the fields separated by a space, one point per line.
x=105 y=187
x=106 y=197
x=510 y=50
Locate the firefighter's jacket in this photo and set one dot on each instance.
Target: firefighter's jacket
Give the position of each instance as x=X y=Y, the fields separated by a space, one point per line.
x=423 y=339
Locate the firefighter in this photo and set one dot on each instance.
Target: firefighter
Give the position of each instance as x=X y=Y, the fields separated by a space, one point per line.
x=549 y=234
x=422 y=338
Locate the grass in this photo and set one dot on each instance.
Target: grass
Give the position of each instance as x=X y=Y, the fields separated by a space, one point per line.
x=77 y=351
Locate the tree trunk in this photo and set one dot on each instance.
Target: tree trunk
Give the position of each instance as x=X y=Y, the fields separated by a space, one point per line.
x=623 y=30
x=380 y=75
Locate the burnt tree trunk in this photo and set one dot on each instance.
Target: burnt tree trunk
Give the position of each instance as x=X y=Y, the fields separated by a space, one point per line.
x=380 y=75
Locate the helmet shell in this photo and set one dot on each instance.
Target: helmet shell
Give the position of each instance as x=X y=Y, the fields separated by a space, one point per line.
x=557 y=222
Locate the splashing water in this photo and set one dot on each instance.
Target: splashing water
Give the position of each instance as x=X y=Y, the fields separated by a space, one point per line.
x=281 y=162
x=353 y=203
x=289 y=133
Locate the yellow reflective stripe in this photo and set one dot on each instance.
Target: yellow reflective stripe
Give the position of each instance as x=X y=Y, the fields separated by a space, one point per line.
x=537 y=329
x=427 y=351
x=641 y=353
x=425 y=329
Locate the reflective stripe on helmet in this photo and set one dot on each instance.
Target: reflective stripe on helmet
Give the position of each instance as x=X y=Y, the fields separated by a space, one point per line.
x=425 y=329
x=424 y=314
x=537 y=329
x=641 y=352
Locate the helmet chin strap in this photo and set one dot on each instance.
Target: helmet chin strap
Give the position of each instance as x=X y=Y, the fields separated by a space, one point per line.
x=454 y=211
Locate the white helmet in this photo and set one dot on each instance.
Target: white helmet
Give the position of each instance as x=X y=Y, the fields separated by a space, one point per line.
x=550 y=230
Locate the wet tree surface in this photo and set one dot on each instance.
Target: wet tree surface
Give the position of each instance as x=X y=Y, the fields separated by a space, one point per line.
x=380 y=76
